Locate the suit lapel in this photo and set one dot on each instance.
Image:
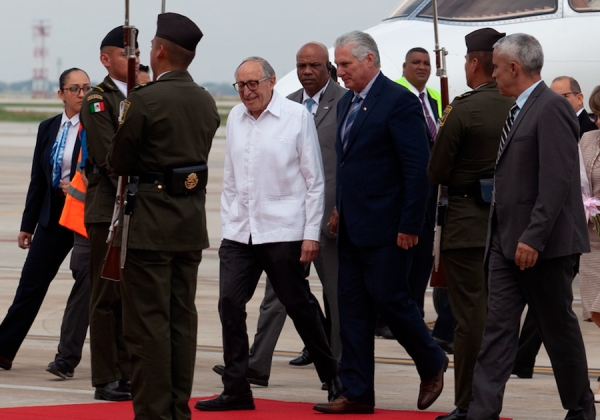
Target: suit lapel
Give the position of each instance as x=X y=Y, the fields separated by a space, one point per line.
x=528 y=104
x=342 y=111
x=365 y=109
x=325 y=104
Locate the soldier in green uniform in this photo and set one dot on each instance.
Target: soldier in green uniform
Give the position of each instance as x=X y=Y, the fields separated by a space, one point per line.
x=163 y=143
x=463 y=158
x=99 y=115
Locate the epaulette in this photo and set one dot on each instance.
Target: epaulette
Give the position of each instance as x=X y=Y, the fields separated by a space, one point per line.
x=98 y=88
x=136 y=87
x=467 y=94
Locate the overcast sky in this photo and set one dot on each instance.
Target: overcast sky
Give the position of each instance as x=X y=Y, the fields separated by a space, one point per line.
x=233 y=30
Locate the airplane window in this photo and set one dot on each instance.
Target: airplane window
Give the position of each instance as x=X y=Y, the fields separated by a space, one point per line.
x=585 y=5
x=405 y=8
x=492 y=9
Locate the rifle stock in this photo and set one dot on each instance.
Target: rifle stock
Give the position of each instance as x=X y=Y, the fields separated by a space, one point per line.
x=113 y=263
x=438 y=274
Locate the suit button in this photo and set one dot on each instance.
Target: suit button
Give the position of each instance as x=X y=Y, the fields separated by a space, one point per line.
x=342 y=164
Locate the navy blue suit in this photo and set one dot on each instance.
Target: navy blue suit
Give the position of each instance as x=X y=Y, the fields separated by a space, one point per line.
x=50 y=244
x=382 y=190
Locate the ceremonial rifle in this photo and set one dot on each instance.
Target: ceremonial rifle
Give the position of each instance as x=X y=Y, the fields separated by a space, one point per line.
x=115 y=256
x=438 y=275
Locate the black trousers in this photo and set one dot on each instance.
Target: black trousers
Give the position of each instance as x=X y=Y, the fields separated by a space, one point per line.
x=77 y=312
x=240 y=269
x=49 y=248
x=529 y=346
x=547 y=289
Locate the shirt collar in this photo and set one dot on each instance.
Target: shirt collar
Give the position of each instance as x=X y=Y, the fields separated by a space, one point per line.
x=525 y=94
x=74 y=121
x=414 y=89
x=122 y=86
x=363 y=94
x=317 y=97
x=274 y=106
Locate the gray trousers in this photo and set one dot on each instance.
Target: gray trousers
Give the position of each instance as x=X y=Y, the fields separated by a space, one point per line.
x=272 y=312
x=547 y=289
x=76 y=317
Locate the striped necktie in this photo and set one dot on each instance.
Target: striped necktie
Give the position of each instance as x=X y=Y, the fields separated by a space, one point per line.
x=56 y=155
x=350 y=120
x=428 y=118
x=506 y=129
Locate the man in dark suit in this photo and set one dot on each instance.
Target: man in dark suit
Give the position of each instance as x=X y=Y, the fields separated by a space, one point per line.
x=382 y=191
x=536 y=233
x=320 y=95
x=47 y=241
x=164 y=139
x=530 y=340
x=463 y=159
x=570 y=89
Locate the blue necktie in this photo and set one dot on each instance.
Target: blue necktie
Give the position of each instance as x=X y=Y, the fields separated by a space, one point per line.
x=56 y=155
x=350 y=120
x=309 y=104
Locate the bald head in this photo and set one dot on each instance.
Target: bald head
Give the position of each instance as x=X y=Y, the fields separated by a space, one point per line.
x=313 y=67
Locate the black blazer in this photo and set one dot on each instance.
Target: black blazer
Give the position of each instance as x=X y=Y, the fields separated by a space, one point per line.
x=42 y=205
x=382 y=185
x=585 y=123
x=537 y=189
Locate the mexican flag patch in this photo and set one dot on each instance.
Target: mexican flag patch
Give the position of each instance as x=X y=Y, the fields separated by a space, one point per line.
x=97 y=107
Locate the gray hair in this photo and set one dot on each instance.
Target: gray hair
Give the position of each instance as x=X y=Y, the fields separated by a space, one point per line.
x=267 y=69
x=362 y=43
x=522 y=49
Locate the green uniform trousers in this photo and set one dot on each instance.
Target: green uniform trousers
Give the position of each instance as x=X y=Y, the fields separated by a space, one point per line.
x=467 y=290
x=110 y=360
x=161 y=324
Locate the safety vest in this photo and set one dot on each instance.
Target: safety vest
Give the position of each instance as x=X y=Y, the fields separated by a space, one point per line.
x=72 y=214
x=435 y=95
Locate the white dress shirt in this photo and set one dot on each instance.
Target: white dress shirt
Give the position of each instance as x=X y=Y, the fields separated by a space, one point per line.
x=273 y=184
x=67 y=160
x=317 y=98
x=427 y=103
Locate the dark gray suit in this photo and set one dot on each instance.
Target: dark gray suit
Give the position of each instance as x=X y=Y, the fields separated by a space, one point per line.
x=272 y=313
x=537 y=202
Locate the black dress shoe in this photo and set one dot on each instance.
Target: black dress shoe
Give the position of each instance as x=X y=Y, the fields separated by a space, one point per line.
x=113 y=391
x=5 y=363
x=227 y=402
x=60 y=368
x=334 y=388
x=302 y=360
x=523 y=375
x=384 y=332
x=253 y=376
x=457 y=414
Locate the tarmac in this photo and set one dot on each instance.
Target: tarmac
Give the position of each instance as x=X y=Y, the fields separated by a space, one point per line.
x=397 y=382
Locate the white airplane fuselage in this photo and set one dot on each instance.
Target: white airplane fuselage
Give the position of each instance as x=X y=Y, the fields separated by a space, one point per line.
x=566 y=37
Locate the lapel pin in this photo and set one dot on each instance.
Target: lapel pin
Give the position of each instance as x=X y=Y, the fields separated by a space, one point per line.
x=325 y=108
x=365 y=108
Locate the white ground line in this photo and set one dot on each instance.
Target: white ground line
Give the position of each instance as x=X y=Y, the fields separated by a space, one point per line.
x=47 y=389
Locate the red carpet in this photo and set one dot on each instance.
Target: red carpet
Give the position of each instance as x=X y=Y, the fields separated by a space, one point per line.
x=265 y=410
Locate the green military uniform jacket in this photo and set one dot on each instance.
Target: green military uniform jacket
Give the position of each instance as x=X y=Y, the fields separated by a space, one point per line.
x=169 y=123
x=464 y=152
x=100 y=118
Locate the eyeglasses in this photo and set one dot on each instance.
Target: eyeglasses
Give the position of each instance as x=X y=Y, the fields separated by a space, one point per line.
x=594 y=117
x=566 y=95
x=76 y=89
x=250 y=84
